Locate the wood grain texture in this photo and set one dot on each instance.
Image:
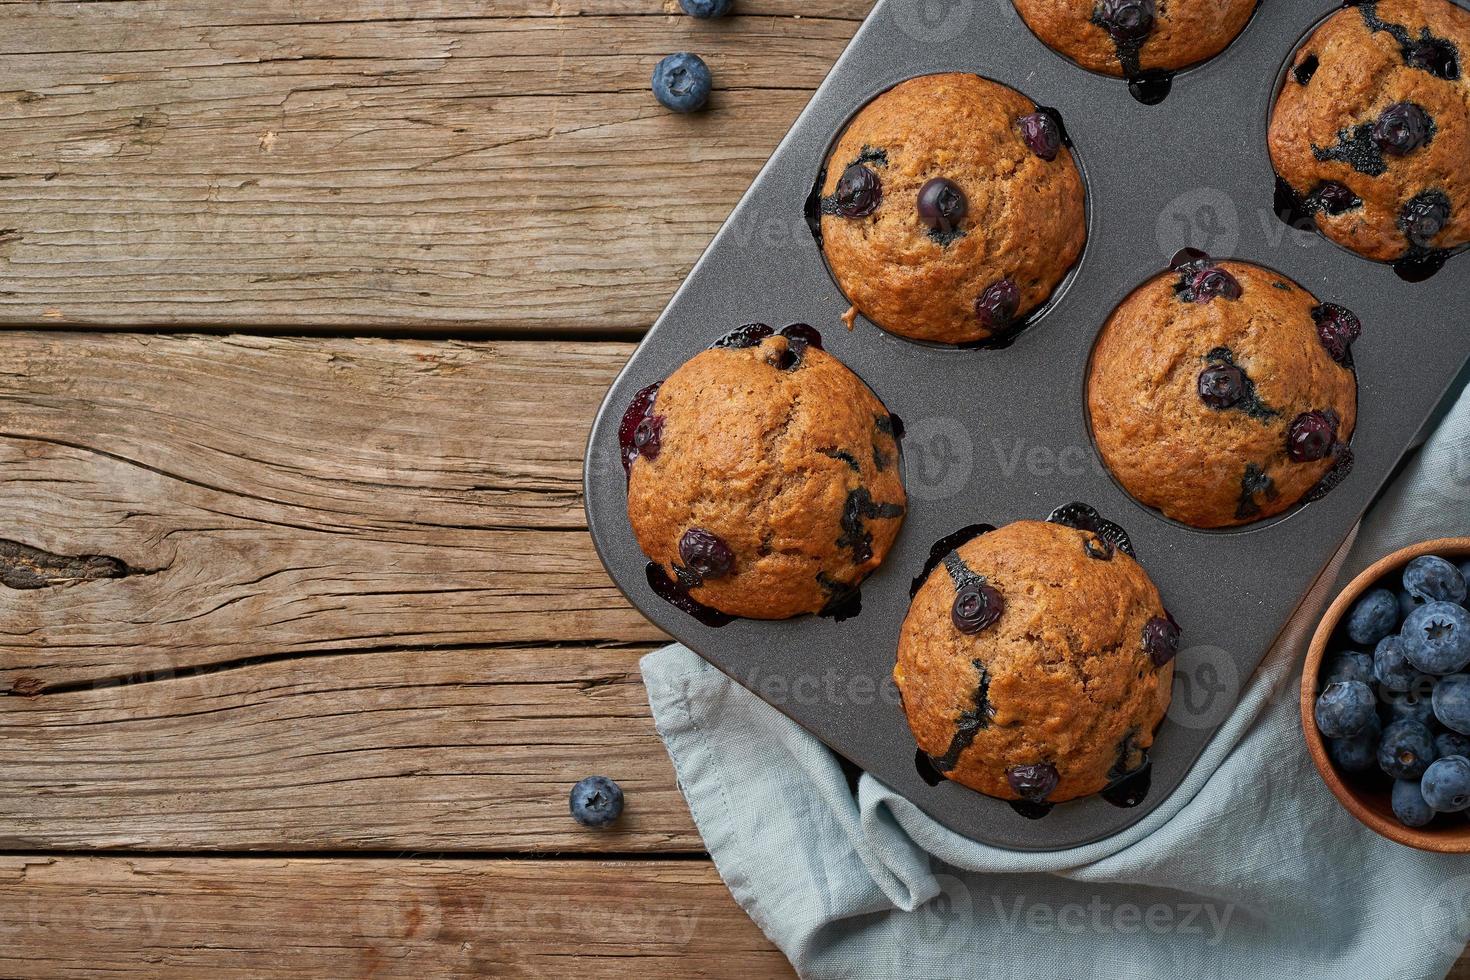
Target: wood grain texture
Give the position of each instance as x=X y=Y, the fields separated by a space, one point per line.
x=439 y=750
x=88 y=917
x=241 y=498
x=410 y=164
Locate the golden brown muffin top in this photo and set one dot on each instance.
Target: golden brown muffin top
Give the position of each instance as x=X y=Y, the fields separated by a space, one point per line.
x=1063 y=677
x=1172 y=34
x=1024 y=222
x=1372 y=127
x=1209 y=466
x=782 y=454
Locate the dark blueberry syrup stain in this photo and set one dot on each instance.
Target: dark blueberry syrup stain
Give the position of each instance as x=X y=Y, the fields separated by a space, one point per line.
x=747 y=335
x=1299 y=212
x=846 y=457
x=1342 y=467
x=640 y=428
x=860 y=507
x=890 y=425
x=1130 y=791
x=925 y=767
x=1250 y=400
x=843 y=601
x=1357 y=148
x=1435 y=55
x=1254 y=482
x=1029 y=810
x=944 y=547
x=1151 y=87
x=677 y=596
x=1081 y=517
x=969 y=723
x=1305 y=69
x=1418 y=264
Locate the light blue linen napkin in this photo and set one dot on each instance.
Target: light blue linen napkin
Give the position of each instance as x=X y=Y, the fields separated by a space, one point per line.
x=1251 y=868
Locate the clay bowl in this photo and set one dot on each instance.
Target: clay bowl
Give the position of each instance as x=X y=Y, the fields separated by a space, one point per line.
x=1369 y=804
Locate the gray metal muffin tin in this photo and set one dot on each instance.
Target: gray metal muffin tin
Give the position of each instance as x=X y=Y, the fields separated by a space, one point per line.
x=1000 y=435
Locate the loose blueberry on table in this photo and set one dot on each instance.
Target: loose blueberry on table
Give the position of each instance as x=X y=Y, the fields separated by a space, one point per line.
x=682 y=82
x=596 y=802
x=1404 y=713
x=706 y=9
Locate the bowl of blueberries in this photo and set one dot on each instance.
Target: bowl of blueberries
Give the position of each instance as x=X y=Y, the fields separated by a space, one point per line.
x=1386 y=696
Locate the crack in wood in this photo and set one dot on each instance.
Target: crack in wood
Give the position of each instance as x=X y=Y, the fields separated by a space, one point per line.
x=24 y=567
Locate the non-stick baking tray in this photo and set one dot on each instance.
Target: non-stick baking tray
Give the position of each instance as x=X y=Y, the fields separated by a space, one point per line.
x=998 y=435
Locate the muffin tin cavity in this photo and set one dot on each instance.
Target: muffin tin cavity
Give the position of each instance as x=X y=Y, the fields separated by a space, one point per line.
x=990 y=434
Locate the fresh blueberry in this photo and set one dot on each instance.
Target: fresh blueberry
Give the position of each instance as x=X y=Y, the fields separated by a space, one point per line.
x=998 y=304
x=1424 y=217
x=1126 y=20
x=1310 y=438
x=859 y=191
x=942 y=205
x=1451 y=743
x=705 y=555
x=1041 y=134
x=1391 y=669
x=1349 y=665
x=1408 y=603
x=1033 y=782
x=1357 y=753
x=596 y=801
x=1464 y=568
x=1415 y=704
x=682 y=82
x=1337 y=328
x=1452 y=703
x=1437 y=638
x=1213 y=281
x=1406 y=750
x=1446 y=784
x=705 y=9
x=1334 y=198
x=1344 y=709
x=1221 y=385
x=1401 y=129
x=1431 y=579
x=1161 y=639
x=1409 y=804
x=1373 y=617
x=976 y=606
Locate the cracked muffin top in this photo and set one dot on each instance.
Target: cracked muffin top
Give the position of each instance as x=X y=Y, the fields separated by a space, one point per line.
x=1223 y=393
x=1036 y=660
x=1129 y=37
x=763 y=476
x=951 y=208
x=1371 y=130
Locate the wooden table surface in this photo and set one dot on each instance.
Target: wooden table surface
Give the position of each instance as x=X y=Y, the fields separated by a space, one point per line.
x=310 y=304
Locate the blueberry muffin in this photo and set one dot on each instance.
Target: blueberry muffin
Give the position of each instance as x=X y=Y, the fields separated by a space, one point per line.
x=1222 y=393
x=1371 y=131
x=1130 y=37
x=1036 y=661
x=951 y=208
x=763 y=476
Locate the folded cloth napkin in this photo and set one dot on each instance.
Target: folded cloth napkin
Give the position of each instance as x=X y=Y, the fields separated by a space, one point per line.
x=1250 y=869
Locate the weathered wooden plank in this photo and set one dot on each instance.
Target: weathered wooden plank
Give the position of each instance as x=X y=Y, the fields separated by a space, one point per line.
x=87 y=917
x=388 y=163
x=436 y=750
x=268 y=497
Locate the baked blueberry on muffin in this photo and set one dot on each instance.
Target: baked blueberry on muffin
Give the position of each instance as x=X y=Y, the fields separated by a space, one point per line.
x=763 y=477
x=1036 y=660
x=1222 y=393
x=1371 y=131
x=1128 y=38
x=951 y=208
